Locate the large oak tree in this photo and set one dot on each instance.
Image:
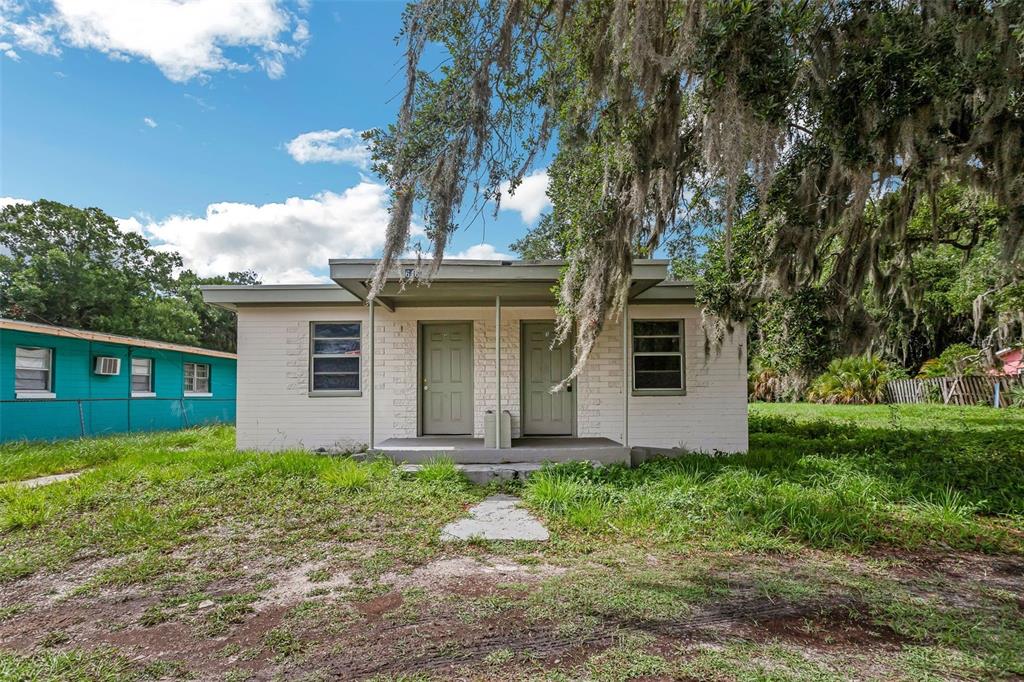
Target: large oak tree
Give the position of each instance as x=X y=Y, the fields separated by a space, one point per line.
x=829 y=107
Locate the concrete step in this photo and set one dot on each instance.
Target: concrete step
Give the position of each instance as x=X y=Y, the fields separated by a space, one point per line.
x=482 y=474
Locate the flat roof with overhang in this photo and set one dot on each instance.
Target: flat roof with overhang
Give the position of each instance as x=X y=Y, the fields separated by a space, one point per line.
x=456 y=283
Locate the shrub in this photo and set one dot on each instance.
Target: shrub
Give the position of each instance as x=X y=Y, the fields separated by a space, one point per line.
x=959 y=359
x=853 y=380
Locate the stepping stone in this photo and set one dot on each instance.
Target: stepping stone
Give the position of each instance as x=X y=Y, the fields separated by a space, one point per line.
x=499 y=517
x=45 y=480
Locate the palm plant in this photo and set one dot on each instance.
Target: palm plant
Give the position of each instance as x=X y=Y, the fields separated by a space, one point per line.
x=765 y=383
x=853 y=380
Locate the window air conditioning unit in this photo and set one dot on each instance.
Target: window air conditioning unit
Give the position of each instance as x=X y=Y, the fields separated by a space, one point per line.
x=108 y=366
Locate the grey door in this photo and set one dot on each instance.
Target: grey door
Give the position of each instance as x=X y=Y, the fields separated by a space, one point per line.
x=545 y=413
x=447 y=379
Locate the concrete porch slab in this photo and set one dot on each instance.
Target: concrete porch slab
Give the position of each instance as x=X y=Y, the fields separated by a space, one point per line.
x=467 y=450
x=499 y=517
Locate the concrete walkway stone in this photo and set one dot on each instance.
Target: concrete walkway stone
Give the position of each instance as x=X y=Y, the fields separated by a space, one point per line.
x=499 y=517
x=45 y=480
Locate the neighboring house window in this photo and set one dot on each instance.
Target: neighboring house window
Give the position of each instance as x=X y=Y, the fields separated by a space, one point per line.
x=658 y=363
x=142 y=375
x=334 y=356
x=197 y=377
x=33 y=370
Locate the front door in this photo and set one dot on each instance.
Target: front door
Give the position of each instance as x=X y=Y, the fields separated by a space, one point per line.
x=545 y=413
x=447 y=379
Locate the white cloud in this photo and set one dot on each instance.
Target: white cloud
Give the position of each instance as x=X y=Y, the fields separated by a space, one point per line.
x=130 y=225
x=344 y=145
x=481 y=252
x=12 y=201
x=149 y=122
x=9 y=52
x=284 y=242
x=185 y=39
x=530 y=197
x=34 y=34
x=199 y=102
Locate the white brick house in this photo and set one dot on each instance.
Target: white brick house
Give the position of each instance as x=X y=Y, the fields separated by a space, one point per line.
x=416 y=371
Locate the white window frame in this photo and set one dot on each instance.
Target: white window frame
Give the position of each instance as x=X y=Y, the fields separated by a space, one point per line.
x=681 y=353
x=185 y=377
x=35 y=393
x=148 y=393
x=313 y=338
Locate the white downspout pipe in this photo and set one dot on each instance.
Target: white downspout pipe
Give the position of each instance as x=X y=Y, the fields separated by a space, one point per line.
x=626 y=384
x=369 y=386
x=497 y=370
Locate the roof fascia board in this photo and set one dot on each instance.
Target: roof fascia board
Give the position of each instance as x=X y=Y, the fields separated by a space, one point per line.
x=101 y=337
x=231 y=297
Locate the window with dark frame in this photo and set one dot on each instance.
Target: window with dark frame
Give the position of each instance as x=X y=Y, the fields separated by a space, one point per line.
x=142 y=375
x=33 y=369
x=335 y=349
x=658 y=363
x=197 y=377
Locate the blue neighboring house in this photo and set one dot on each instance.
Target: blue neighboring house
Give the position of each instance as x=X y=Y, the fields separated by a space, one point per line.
x=57 y=382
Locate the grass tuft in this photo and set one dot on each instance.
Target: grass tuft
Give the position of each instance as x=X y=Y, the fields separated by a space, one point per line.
x=441 y=470
x=347 y=474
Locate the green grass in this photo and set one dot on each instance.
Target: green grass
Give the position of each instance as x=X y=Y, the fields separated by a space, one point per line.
x=166 y=489
x=821 y=508
x=73 y=665
x=818 y=476
x=21 y=460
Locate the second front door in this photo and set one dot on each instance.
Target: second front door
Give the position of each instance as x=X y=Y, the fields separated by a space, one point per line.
x=545 y=413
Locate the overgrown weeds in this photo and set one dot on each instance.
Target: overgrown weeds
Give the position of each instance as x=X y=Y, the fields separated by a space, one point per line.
x=822 y=483
x=161 y=491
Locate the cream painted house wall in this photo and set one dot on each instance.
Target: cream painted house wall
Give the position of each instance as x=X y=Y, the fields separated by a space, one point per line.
x=276 y=410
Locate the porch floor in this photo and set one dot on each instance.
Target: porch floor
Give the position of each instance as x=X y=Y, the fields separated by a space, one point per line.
x=469 y=450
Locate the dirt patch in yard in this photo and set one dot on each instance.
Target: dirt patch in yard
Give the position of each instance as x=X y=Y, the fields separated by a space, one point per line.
x=207 y=656
x=375 y=608
x=443 y=646
x=53 y=586
x=293 y=584
x=844 y=626
x=78 y=621
x=443 y=572
x=468 y=617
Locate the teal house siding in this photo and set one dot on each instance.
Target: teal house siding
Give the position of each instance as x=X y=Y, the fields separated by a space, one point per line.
x=88 y=404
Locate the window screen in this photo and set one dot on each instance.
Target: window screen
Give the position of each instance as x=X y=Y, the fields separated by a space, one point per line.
x=197 y=377
x=658 y=355
x=32 y=369
x=142 y=375
x=334 y=356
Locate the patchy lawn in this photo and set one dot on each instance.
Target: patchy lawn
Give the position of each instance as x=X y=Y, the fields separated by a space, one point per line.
x=852 y=542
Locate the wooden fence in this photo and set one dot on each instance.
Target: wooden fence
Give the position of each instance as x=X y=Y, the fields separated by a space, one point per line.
x=953 y=390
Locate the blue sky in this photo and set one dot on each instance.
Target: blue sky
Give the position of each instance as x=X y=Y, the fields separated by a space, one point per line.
x=226 y=130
